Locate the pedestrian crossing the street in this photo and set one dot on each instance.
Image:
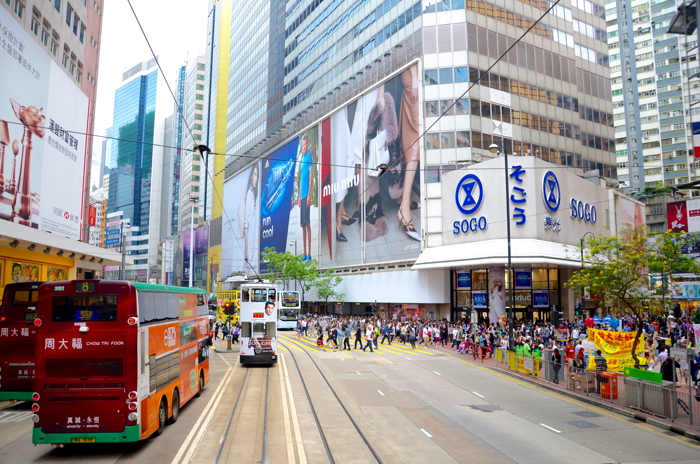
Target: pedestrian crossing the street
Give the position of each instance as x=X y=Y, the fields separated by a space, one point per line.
x=395 y=348
x=15 y=416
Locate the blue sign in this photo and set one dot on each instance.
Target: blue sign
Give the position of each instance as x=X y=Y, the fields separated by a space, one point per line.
x=551 y=193
x=583 y=211
x=113 y=232
x=523 y=279
x=540 y=299
x=464 y=280
x=469 y=194
x=111 y=241
x=479 y=300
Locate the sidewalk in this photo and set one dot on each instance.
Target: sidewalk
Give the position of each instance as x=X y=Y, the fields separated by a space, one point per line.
x=665 y=424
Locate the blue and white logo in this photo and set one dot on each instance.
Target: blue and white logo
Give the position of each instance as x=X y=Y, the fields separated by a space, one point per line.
x=469 y=194
x=551 y=193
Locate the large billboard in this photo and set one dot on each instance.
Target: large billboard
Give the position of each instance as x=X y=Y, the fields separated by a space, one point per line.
x=43 y=116
x=239 y=237
x=367 y=216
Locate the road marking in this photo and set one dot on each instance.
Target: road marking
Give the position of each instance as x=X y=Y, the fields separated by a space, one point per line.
x=408 y=359
x=295 y=419
x=437 y=373
x=380 y=392
x=15 y=416
x=550 y=428
x=287 y=431
x=358 y=372
x=342 y=359
x=480 y=396
x=194 y=437
x=423 y=430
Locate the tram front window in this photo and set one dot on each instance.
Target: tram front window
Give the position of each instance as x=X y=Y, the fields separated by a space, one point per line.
x=271 y=329
x=258 y=295
x=245 y=329
x=258 y=329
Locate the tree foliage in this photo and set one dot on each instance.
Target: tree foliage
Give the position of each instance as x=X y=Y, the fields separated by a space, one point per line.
x=618 y=269
x=325 y=288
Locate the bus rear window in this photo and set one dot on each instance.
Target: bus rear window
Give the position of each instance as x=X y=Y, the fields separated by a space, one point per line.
x=25 y=297
x=84 y=308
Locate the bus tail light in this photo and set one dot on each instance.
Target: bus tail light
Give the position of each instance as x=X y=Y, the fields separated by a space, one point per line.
x=35 y=396
x=132 y=395
x=35 y=418
x=132 y=321
x=133 y=416
x=37 y=322
x=133 y=406
x=35 y=407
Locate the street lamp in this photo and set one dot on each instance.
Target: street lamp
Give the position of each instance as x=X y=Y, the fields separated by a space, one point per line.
x=122 y=243
x=493 y=148
x=583 y=290
x=194 y=201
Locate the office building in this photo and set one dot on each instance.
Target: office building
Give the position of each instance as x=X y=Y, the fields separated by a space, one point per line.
x=360 y=76
x=135 y=168
x=666 y=96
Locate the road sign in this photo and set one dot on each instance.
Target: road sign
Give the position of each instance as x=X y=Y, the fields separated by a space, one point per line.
x=643 y=375
x=112 y=241
x=113 y=232
x=680 y=353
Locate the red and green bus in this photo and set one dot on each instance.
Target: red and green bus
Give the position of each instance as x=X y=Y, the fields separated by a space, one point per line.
x=116 y=360
x=17 y=340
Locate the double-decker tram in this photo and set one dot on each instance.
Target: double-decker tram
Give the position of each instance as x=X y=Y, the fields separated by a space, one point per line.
x=17 y=340
x=258 y=323
x=116 y=360
x=289 y=306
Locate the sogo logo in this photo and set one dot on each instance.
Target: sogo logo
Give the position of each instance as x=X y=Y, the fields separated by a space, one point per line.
x=170 y=336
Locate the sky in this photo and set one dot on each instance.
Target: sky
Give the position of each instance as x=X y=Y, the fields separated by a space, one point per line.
x=174 y=29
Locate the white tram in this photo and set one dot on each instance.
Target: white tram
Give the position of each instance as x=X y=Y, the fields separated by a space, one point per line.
x=289 y=308
x=259 y=305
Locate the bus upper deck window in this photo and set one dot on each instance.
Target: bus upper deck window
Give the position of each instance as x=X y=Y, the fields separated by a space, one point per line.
x=246 y=296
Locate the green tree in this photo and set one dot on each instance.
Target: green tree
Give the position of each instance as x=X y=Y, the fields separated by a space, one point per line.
x=618 y=268
x=325 y=288
x=286 y=268
x=696 y=316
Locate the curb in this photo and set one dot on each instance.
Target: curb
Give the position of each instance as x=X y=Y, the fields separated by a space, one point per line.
x=609 y=407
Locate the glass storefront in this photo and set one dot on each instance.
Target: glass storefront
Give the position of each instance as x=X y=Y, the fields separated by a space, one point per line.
x=534 y=293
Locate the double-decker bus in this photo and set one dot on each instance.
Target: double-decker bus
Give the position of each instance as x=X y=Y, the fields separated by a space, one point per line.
x=289 y=306
x=258 y=323
x=17 y=337
x=116 y=360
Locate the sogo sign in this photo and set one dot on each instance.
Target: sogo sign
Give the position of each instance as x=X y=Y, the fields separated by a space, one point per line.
x=583 y=211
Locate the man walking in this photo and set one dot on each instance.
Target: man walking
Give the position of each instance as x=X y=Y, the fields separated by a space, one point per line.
x=346 y=340
x=601 y=365
x=370 y=336
x=358 y=336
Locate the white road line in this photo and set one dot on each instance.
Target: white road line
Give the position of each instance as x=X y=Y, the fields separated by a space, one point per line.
x=23 y=416
x=380 y=392
x=550 y=428
x=210 y=408
x=408 y=359
x=423 y=430
x=435 y=372
x=295 y=419
x=287 y=430
x=480 y=396
x=358 y=373
x=342 y=359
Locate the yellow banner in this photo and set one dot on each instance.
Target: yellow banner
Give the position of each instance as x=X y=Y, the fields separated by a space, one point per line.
x=616 y=348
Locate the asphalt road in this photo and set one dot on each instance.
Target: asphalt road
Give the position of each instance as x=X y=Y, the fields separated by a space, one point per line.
x=395 y=405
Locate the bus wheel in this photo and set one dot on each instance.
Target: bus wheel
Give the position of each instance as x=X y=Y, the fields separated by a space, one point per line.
x=176 y=408
x=201 y=385
x=162 y=417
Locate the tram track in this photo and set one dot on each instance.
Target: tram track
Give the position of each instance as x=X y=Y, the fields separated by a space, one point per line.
x=329 y=453
x=248 y=396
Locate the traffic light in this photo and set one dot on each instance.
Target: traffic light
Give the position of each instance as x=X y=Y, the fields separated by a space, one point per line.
x=579 y=309
x=228 y=309
x=557 y=316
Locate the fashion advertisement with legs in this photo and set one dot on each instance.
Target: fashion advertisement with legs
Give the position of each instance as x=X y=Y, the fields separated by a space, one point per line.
x=240 y=229
x=374 y=214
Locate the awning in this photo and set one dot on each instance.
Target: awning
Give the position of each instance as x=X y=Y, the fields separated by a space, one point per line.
x=490 y=252
x=87 y=255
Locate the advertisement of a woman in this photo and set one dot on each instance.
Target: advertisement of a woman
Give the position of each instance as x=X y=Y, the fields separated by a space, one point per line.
x=240 y=230
x=497 y=293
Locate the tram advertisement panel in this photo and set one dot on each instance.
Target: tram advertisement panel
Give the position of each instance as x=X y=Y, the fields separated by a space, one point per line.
x=368 y=217
x=259 y=309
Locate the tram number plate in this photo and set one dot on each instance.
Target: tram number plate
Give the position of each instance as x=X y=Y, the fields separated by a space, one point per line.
x=82 y=440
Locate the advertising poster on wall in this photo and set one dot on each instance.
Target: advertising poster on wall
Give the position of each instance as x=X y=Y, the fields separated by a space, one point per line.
x=479 y=300
x=464 y=280
x=629 y=213
x=56 y=274
x=186 y=245
x=240 y=236
x=372 y=217
x=23 y=272
x=497 y=292
x=43 y=116
x=302 y=233
x=540 y=299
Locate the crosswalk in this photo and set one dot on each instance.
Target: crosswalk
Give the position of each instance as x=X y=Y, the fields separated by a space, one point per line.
x=15 y=416
x=398 y=349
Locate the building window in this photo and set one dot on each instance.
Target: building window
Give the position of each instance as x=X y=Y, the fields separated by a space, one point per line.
x=69 y=14
x=76 y=20
x=19 y=8
x=45 y=33
x=82 y=33
x=36 y=19
x=72 y=64
x=57 y=5
x=66 y=54
x=54 y=43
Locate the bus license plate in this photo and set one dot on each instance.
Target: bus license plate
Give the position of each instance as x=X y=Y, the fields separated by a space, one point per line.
x=82 y=440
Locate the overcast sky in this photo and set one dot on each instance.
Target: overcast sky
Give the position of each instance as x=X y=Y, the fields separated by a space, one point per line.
x=174 y=29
